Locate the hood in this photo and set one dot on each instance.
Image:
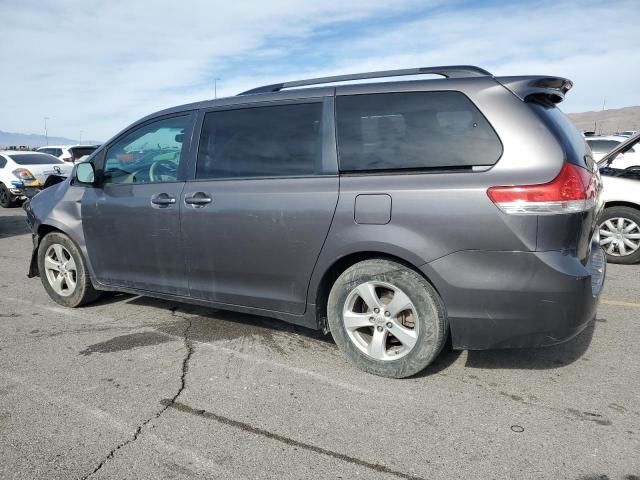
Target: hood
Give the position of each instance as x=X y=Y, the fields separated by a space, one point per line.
x=623 y=147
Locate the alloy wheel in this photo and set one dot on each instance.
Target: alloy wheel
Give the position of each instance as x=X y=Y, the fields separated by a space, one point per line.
x=381 y=320
x=60 y=270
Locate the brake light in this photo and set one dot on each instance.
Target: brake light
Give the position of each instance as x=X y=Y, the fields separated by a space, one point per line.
x=23 y=174
x=573 y=190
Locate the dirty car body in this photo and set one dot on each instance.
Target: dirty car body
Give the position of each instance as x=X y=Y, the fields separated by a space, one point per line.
x=511 y=271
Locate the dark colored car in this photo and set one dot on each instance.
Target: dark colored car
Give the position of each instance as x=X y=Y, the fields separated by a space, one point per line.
x=390 y=214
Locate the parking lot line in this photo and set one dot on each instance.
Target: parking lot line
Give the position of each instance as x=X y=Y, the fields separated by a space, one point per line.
x=619 y=303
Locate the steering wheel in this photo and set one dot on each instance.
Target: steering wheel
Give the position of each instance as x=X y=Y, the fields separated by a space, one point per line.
x=163 y=171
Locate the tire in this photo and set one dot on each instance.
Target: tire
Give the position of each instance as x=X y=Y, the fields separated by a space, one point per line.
x=613 y=223
x=422 y=326
x=7 y=200
x=73 y=288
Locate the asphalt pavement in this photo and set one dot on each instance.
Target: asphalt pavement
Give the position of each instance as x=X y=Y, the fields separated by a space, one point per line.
x=137 y=388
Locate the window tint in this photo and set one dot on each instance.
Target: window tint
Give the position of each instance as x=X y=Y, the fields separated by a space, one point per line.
x=150 y=153
x=272 y=141
x=35 y=159
x=413 y=130
x=602 y=146
x=3 y=161
x=79 y=152
x=57 y=152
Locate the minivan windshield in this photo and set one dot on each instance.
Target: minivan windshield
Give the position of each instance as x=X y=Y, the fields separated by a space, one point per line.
x=35 y=159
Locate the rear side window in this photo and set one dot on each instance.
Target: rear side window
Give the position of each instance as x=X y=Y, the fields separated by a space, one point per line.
x=415 y=130
x=573 y=143
x=273 y=141
x=35 y=159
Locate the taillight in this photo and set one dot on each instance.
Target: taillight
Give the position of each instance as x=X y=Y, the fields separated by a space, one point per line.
x=573 y=190
x=23 y=174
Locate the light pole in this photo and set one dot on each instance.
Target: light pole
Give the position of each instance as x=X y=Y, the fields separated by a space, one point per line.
x=215 y=87
x=46 y=135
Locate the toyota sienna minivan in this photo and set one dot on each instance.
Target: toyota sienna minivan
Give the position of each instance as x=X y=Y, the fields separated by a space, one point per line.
x=391 y=214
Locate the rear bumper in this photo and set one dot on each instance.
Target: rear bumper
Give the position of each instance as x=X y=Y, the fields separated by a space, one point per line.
x=517 y=299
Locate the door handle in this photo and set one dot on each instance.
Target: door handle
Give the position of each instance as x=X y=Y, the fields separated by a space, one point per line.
x=198 y=199
x=163 y=200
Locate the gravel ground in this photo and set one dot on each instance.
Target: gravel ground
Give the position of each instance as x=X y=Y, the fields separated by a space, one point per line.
x=132 y=387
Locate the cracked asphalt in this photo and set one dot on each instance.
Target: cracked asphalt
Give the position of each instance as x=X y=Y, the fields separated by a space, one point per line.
x=137 y=388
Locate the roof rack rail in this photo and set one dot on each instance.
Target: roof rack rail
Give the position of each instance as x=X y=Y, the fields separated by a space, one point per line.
x=452 y=71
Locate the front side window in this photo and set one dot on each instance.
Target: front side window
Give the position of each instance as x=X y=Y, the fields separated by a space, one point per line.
x=148 y=154
x=415 y=130
x=272 y=141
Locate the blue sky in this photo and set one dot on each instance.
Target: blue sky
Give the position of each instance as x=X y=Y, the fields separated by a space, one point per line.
x=97 y=66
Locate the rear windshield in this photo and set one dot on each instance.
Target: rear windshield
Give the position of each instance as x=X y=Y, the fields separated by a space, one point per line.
x=35 y=159
x=602 y=146
x=575 y=147
x=78 y=152
x=413 y=130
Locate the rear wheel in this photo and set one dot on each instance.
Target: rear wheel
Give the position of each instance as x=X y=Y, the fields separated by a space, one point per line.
x=386 y=318
x=7 y=199
x=620 y=234
x=63 y=271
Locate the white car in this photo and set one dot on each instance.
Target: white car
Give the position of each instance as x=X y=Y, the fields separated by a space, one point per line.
x=23 y=174
x=620 y=220
x=603 y=144
x=68 y=153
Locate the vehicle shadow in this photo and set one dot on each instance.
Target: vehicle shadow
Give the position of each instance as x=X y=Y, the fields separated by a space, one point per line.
x=534 y=358
x=12 y=225
x=209 y=325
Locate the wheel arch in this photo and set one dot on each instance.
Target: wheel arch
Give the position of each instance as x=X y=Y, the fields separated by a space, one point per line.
x=621 y=203
x=339 y=265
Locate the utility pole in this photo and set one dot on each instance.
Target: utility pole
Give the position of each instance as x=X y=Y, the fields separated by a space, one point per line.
x=46 y=134
x=215 y=87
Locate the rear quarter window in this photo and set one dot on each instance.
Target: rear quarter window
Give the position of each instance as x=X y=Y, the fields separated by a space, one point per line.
x=575 y=146
x=414 y=130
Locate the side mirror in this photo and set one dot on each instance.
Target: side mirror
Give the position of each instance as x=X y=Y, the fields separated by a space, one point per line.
x=85 y=173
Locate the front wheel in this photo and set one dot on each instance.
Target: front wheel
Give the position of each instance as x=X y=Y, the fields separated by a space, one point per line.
x=7 y=199
x=620 y=234
x=63 y=271
x=386 y=318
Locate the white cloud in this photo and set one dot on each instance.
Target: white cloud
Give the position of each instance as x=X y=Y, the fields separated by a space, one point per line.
x=97 y=66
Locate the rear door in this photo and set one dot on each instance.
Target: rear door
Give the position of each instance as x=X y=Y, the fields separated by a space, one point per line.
x=256 y=215
x=131 y=222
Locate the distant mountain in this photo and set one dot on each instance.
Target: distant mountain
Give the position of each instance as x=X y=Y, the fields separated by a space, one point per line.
x=34 y=140
x=608 y=121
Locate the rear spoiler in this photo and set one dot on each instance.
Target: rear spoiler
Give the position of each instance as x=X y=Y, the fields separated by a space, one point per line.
x=552 y=89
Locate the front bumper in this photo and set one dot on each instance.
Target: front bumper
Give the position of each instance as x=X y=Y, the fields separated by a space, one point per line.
x=517 y=299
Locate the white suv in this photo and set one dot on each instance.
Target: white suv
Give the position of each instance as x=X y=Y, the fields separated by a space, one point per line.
x=603 y=144
x=68 y=153
x=23 y=174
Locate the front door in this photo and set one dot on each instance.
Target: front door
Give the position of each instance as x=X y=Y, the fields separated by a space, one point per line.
x=131 y=222
x=256 y=216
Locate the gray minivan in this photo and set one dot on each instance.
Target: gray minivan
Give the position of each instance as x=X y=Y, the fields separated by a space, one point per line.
x=391 y=214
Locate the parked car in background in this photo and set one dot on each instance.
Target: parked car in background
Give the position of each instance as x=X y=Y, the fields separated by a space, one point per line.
x=620 y=221
x=68 y=153
x=627 y=133
x=392 y=214
x=603 y=144
x=24 y=173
